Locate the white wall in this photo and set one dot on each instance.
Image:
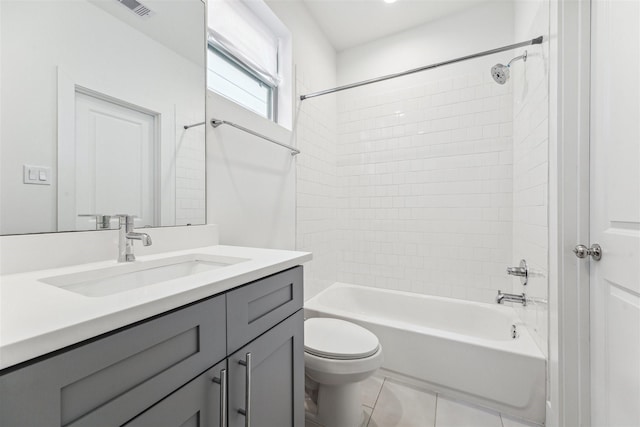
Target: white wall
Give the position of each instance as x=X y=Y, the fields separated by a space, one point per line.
x=190 y=175
x=257 y=192
x=250 y=182
x=486 y=26
x=29 y=99
x=531 y=164
x=426 y=200
x=315 y=128
x=318 y=187
x=425 y=161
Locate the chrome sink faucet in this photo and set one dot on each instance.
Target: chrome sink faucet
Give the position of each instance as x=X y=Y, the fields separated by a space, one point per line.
x=126 y=237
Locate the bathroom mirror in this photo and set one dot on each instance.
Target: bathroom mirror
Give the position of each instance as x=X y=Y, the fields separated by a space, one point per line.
x=96 y=95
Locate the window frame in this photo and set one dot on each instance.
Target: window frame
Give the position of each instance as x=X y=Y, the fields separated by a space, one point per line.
x=272 y=106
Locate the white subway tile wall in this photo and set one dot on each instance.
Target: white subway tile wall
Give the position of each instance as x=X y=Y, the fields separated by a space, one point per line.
x=434 y=188
x=190 y=173
x=530 y=181
x=316 y=230
x=425 y=181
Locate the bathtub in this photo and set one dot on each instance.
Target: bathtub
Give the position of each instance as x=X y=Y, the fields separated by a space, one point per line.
x=460 y=348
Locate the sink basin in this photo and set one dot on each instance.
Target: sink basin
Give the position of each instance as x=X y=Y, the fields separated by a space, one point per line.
x=125 y=277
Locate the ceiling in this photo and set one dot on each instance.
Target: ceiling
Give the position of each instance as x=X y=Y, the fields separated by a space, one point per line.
x=177 y=24
x=349 y=23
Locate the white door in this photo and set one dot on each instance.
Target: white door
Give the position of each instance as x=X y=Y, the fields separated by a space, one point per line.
x=114 y=160
x=615 y=213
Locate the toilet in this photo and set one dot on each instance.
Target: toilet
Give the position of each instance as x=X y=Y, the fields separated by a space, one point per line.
x=338 y=355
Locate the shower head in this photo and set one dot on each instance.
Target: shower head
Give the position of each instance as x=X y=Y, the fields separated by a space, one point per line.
x=500 y=72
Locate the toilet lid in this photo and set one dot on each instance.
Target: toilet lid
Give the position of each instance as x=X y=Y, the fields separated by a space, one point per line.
x=338 y=339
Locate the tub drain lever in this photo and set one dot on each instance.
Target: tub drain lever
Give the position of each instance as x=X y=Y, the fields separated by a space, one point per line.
x=514 y=332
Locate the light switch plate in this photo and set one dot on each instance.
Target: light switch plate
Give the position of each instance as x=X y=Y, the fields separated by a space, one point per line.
x=38 y=175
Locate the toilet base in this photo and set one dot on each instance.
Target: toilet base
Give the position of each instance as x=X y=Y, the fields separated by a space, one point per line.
x=340 y=405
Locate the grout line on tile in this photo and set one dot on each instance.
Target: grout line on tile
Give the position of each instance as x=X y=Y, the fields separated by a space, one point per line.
x=384 y=380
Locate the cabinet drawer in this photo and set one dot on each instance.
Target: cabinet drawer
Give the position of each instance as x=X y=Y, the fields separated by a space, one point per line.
x=257 y=307
x=108 y=381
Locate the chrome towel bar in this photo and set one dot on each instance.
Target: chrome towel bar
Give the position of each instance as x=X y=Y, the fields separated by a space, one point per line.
x=193 y=125
x=216 y=122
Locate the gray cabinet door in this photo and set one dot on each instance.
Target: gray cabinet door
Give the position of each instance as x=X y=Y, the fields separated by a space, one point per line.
x=196 y=404
x=276 y=378
x=108 y=381
x=258 y=306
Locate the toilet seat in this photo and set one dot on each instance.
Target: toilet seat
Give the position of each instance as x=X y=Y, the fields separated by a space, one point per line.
x=338 y=356
x=338 y=339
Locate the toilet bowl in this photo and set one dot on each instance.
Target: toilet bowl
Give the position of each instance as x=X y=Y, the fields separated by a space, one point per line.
x=338 y=355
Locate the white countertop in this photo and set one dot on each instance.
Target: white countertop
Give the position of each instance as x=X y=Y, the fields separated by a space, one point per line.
x=37 y=318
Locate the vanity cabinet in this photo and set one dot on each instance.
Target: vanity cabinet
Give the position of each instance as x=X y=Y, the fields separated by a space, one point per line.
x=196 y=404
x=269 y=371
x=116 y=377
x=167 y=370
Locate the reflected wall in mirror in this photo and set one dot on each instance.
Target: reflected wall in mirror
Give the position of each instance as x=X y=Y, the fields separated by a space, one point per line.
x=95 y=97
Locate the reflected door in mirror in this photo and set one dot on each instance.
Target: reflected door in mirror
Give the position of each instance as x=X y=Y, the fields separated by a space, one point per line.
x=51 y=50
x=114 y=158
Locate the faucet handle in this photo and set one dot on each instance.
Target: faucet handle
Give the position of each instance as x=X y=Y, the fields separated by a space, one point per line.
x=126 y=220
x=103 y=222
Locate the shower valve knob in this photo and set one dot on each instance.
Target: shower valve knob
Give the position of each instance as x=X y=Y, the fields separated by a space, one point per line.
x=522 y=271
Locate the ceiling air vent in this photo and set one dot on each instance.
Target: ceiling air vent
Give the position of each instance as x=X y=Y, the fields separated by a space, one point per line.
x=137 y=8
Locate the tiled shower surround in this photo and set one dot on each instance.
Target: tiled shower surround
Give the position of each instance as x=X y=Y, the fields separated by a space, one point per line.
x=426 y=178
x=530 y=177
x=316 y=188
x=416 y=188
x=190 y=175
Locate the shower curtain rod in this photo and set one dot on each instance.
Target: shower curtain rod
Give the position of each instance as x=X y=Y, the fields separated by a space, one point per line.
x=537 y=40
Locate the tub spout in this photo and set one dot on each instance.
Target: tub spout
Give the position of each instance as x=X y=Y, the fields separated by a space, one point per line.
x=503 y=296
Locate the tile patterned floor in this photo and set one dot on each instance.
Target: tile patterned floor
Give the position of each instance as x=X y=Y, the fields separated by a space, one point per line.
x=389 y=402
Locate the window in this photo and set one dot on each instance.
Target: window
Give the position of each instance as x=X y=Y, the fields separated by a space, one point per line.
x=244 y=57
x=229 y=78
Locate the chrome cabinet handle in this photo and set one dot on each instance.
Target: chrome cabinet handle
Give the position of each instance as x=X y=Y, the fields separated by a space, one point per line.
x=247 y=384
x=223 y=396
x=595 y=251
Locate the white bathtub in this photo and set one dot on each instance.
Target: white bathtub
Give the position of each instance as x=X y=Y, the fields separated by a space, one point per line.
x=461 y=348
